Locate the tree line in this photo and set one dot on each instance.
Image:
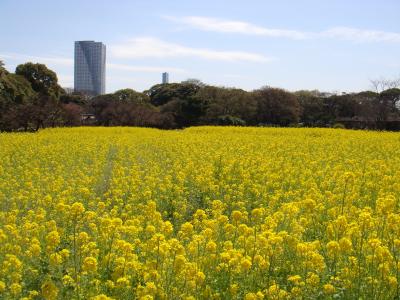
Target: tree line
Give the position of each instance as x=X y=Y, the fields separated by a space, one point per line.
x=31 y=98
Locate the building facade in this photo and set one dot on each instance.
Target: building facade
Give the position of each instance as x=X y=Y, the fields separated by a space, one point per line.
x=165 y=78
x=90 y=68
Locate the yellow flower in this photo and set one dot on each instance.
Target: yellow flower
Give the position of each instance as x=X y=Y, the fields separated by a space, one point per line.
x=35 y=249
x=296 y=291
x=392 y=281
x=257 y=214
x=33 y=294
x=150 y=229
x=245 y=264
x=180 y=261
x=101 y=297
x=77 y=208
x=172 y=214
x=187 y=228
x=53 y=239
x=234 y=288
x=109 y=284
x=64 y=253
x=68 y=280
x=345 y=244
x=386 y=205
x=168 y=227
x=200 y=277
x=90 y=264
x=83 y=237
x=123 y=282
x=329 y=289
x=295 y=279
x=250 y=296
x=151 y=288
x=211 y=246
x=49 y=290
x=313 y=279
x=236 y=216
x=55 y=259
x=333 y=248
x=274 y=290
x=15 y=289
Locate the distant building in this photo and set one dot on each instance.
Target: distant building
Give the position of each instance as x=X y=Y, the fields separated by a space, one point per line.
x=165 y=78
x=88 y=119
x=68 y=90
x=90 y=68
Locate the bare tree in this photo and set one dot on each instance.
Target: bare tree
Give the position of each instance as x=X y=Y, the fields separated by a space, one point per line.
x=381 y=84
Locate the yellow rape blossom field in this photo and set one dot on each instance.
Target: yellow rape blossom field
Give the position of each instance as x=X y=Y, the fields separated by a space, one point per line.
x=202 y=213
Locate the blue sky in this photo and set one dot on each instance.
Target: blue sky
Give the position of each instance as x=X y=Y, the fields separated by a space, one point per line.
x=334 y=45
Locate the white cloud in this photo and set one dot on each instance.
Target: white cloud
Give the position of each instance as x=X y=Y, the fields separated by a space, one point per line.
x=156 y=48
x=231 y=26
x=359 y=35
x=68 y=62
x=60 y=61
x=144 y=68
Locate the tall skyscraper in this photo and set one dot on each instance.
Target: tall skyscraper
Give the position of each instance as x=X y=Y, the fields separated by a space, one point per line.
x=90 y=67
x=165 y=78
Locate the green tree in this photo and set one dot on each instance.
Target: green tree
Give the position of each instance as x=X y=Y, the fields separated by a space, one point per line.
x=46 y=108
x=227 y=104
x=194 y=81
x=15 y=89
x=277 y=107
x=340 y=106
x=15 y=93
x=178 y=100
x=2 y=69
x=161 y=94
x=392 y=99
x=42 y=79
x=230 y=121
x=386 y=106
x=125 y=108
x=129 y=95
x=367 y=108
x=78 y=99
x=312 y=104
